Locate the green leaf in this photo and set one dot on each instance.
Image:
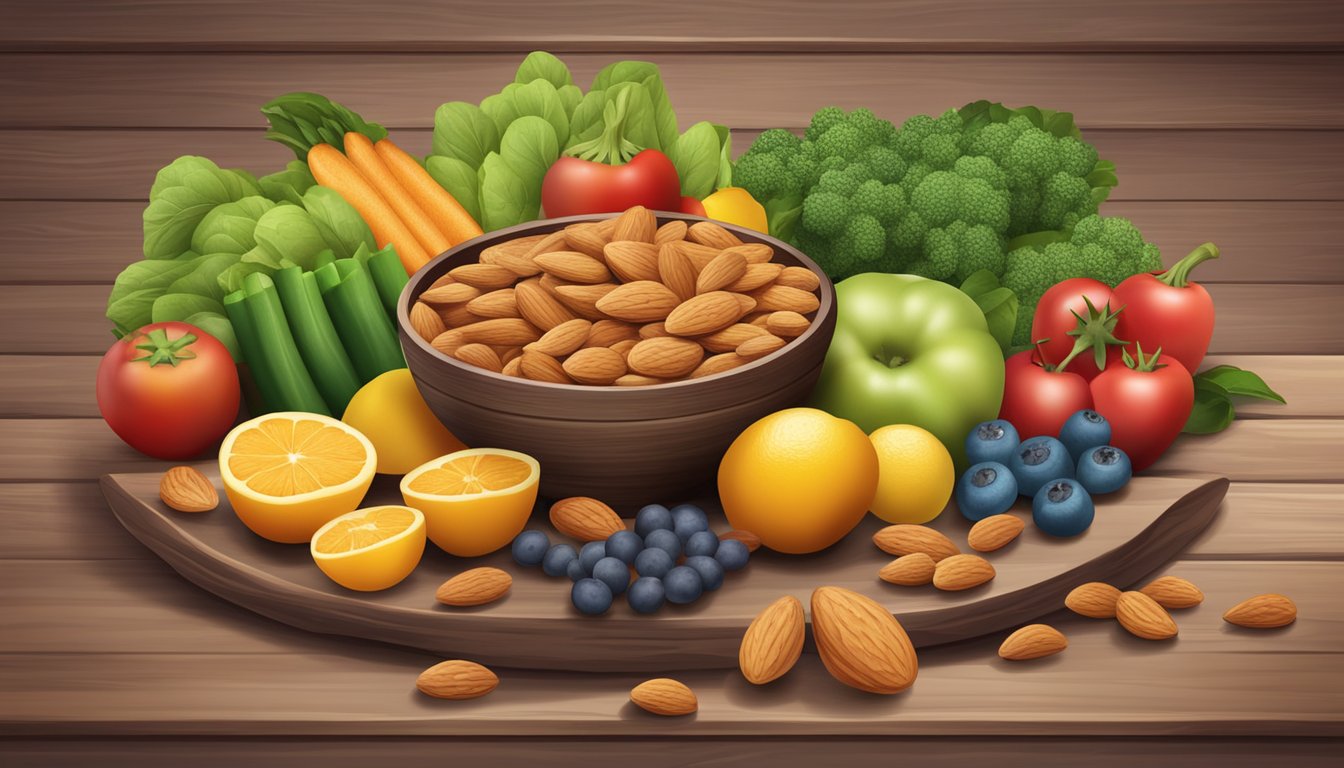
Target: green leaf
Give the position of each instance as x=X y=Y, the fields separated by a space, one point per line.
x=538 y=98
x=231 y=279
x=203 y=279
x=1238 y=382
x=288 y=232
x=149 y=274
x=505 y=198
x=134 y=309
x=725 y=178
x=300 y=120
x=696 y=155
x=180 y=306
x=530 y=147
x=340 y=225
x=459 y=179
x=465 y=131
x=540 y=65
x=570 y=96
x=218 y=325
x=287 y=186
x=1213 y=411
x=662 y=120
x=183 y=194
x=230 y=228
x=585 y=123
x=501 y=111
x=782 y=215
x=999 y=305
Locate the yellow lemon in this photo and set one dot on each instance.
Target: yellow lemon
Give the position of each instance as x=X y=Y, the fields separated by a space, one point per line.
x=475 y=501
x=917 y=476
x=800 y=479
x=370 y=549
x=391 y=411
x=735 y=205
x=288 y=474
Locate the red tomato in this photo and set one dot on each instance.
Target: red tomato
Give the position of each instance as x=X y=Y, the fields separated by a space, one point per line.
x=1037 y=401
x=1147 y=405
x=170 y=390
x=1058 y=313
x=575 y=186
x=1166 y=311
x=692 y=206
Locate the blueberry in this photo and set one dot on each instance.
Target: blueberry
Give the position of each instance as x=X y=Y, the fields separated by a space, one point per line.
x=530 y=547
x=654 y=517
x=664 y=540
x=1104 y=470
x=702 y=543
x=646 y=594
x=556 y=562
x=590 y=553
x=624 y=546
x=1083 y=430
x=688 y=519
x=683 y=585
x=711 y=573
x=732 y=555
x=590 y=596
x=1038 y=461
x=987 y=488
x=612 y=572
x=991 y=441
x=576 y=571
x=1062 y=508
x=654 y=562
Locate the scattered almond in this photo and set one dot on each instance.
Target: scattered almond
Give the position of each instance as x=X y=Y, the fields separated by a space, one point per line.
x=185 y=489
x=586 y=239
x=448 y=341
x=480 y=356
x=1033 y=641
x=754 y=253
x=1174 y=592
x=704 y=313
x=1094 y=600
x=861 y=643
x=756 y=276
x=456 y=679
x=477 y=586
x=550 y=243
x=623 y=348
x=664 y=696
x=665 y=357
x=751 y=540
x=582 y=299
x=1143 y=617
x=760 y=346
x=484 y=277
x=994 y=532
x=503 y=332
x=563 y=338
x=425 y=321
x=676 y=271
x=1263 y=612
x=912 y=570
x=596 y=365
x=585 y=519
x=773 y=641
x=604 y=333
x=631 y=260
x=514 y=368
x=652 y=331
x=457 y=315
x=782 y=298
x=904 y=539
x=699 y=255
x=643 y=301
x=959 y=572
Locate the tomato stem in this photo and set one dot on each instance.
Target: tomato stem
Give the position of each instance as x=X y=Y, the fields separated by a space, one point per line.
x=1143 y=365
x=159 y=350
x=1179 y=274
x=1094 y=332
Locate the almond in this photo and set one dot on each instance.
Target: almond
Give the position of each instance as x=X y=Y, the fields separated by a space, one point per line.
x=448 y=341
x=904 y=539
x=586 y=239
x=519 y=264
x=636 y=223
x=664 y=696
x=477 y=586
x=596 y=365
x=711 y=234
x=670 y=232
x=623 y=347
x=185 y=489
x=480 y=356
x=779 y=298
x=725 y=269
x=631 y=260
x=1262 y=612
x=456 y=316
x=550 y=283
x=508 y=354
x=549 y=243
x=606 y=227
x=562 y=339
x=643 y=301
x=456 y=679
x=705 y=313
x=699 y=255
x=773 y=641
x=573 y=267
x=861 y=643
x=1143 y=617
x=994 y=532
x=751 y=540
x=719 y=364
x=653 y=331
x=676 y=271
x=756 y=276
x=585 y=519
x=582 y=299
x=539 y=366
x=453 y=293
x=959 y=572
x=636 y=380
x=801 y=278
x=604 y=333
x=760 y=346
x=485 y=277
x=1173 y=592
x=517 y=247
x=758 y=319
x=1033 y=641
x=786 y=325
x=665 y=357
x=1094 y=600
x=500 y=303
x=912 y=570
x=745 y=303
x=732 y=337
x=514 y=368
x=504 y=332
x=539 y=307
x=425 y=321
x=754 y=253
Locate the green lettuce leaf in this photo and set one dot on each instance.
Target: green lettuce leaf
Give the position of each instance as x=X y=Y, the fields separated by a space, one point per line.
x=230 y=228
x=459 y=179
x=341 y=226
x=466 y=132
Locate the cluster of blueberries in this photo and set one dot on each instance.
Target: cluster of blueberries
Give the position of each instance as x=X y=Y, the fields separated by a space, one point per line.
x=1043 y=469
x=601 y=569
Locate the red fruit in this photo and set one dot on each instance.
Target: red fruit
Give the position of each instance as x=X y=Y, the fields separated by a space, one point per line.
x=1165 y=311
x=1073 y=320
x=692 y=206
x=575 y=186
x=1036 y=399
x=1147 y=404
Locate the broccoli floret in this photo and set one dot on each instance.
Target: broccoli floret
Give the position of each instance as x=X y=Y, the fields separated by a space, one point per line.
x=1028 y=272
x=824 y=119
x=774 y=141
x=765 y=176
x=825 y=213
x=961 y=195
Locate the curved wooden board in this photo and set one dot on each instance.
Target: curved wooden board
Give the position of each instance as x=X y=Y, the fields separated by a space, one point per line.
x=1136 y=531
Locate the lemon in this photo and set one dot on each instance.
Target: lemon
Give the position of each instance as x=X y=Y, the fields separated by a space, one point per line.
x=288 y=474
x=800 y=479
x=391 y=411
x=916 y=477
x=370 y=549
x=735 y=205
x=475 y=501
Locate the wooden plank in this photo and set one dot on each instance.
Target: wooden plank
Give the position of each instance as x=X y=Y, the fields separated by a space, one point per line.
x=1310 y=384
x=402 y=91
x=1154 y=165
x=48 y=387
x=420 y=25
x=1262 y=241
x=63 y=521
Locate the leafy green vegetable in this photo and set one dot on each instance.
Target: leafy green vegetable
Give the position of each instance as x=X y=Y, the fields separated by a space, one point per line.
x=1214 y=390
x=459 y=179
x=183 y=193
x=999 y=304
x=180 y=306
x=341 y=227
x=696 y=155
x=529 y=146
x=218 y=325
x=301 y=120
x=506 y=198
x=287 y=186
x=287 y=232
x=230 y=227
x=540 y=65
x=465 y=132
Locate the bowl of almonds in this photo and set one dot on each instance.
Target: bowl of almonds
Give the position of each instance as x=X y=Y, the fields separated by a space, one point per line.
x=624 y=351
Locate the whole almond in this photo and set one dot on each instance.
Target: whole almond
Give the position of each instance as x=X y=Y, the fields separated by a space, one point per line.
x=664 y=696
x=518 y=246
x=1263 y=612
x=861 y=643
x=586 y=238
x=676 y=271
x=485 y=277
x=477 y=586
x=623 y=347
x=756 y=276
x=604 y=333
x=760 y=346
x=1094 y=600
x=539 y=366
x=550 y=243
x=425 y=321
x=636 y=223
x=994 y=532
x=699 y=255
x=585 y=519
x=912 y=570
x=773 y=641
x=456 y=316
x=508 y=354
x=1033 y=641
x=539 y=307
x=453 y=293
x=704 y=313
x=759 y=319
x=904 y=539
x=725 y=269
x=631 y=260
x=711 y=234
x=573 y=267
x=959 y=572
x=745 y=303
x=456 y=679
x=519 y=264
x=582 y=299
x=652 y=331
x=1173 y=592
x=801 y=278
x=596 y=365
x=643 y=301
x=754 y=253
x=665 y=357
x=782 y=298
x=786 y=325
x=514 y=368
x=448 y=341
x=185 y=489
x=480 y=356
x=500 y=303
x=732 y=337
x=749 y=539
x=1143 y=617
x=716 y=364
x=563 y=338
x=607 y=227
x=636 y=380
x=670 y=232
x=551 y=283
x=503 y=332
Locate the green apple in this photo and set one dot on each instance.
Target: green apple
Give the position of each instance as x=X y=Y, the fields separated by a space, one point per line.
x=908 y=350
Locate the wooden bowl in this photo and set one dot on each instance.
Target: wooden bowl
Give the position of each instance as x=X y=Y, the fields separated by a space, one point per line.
x=628 y=446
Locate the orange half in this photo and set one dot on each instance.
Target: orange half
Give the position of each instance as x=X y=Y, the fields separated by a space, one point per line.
x=475 y=501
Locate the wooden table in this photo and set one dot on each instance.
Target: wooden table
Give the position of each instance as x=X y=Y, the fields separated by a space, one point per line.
x=1224 y=120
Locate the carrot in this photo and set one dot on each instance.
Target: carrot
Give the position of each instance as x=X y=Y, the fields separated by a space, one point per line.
x=360 y=151
x=448 y=214
x=334 y=170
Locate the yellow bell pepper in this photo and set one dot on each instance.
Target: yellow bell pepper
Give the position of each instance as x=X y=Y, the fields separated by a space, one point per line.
x=735 y=205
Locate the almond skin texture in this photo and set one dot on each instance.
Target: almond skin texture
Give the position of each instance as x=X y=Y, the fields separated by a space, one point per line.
x=539 y=307
x=550 y=243
x=665 y=357
x=756 y=276
x=636 y=223
x=705 y=313
x=582 y=299
x=861 y=643
x=786 y=324
x=453 y=293
x=585 y=239
x=900 y=540
x=760 y=346
x=781 y=298
x=912 y=570
x=994 y=532
x=801 y=278
x=959 y=572
x=675 y=270
x=484 y=277
x=643 y=301
x=185 y=489
x=596 y=365
x=504 y=332
x=719 y=364
x=1174 y=592
x=632 y=260
x=456 y=679
x=539 y=366
x=563 y=338
x=477 y=586
x=573 y=267
x=585 y=519
x=449 y=341
x=457 y=315
x=1142 y=617
x=1094 y=600
x=699 y=255
x=636 y=380
x=501 y=303
x=754 y=253
x=773 y=641
x=725 y=269
x=604 y=333
x=664 y=696
x=1033 y=641
x=751 y=540
x=730 y=338
x=425 y=321
x=710 y=234
x=670 y=232
x=1263 y=612
x=480 y=356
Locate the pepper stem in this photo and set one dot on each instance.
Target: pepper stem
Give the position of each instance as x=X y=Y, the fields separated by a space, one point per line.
x=159 y=350
x=1179 y=274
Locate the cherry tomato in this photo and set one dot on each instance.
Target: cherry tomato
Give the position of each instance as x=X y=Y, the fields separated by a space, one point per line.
x=1147 y=402
x=169 y=390
x=1064 y=308
x=1164 y=310
x=1037 y=400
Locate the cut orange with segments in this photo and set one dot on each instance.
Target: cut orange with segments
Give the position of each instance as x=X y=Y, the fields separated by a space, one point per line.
x=475 y=501
x=288 y=474
x=370 y=549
